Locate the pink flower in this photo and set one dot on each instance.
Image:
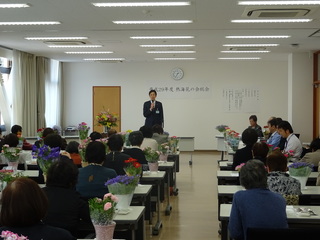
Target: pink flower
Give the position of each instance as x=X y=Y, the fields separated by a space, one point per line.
x=114 y=198
x=107 y=195
x=98 y=200
x=107 y=206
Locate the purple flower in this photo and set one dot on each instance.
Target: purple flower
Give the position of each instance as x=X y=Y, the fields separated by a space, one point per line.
x=300 y=165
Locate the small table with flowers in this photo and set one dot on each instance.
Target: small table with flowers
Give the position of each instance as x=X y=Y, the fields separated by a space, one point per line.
x=170 y=172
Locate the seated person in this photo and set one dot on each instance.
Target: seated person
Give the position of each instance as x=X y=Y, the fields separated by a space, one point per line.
x=249 y=138
x=257 y=206
x=45 y=133
x=313 y=157
x=95 y=135
x=275 y=137
x=260 y=151
x=282 y=139
x=66 y=207
x=148 y=141
x=136 y=138
x=1 y=140
x=159 y=135
x=16 y=129
x=23 y=206
x=278 y=180
x=253 y=125
x=292 y=141
x=11 y=139
x=115 y=159
x=111 y=132
x=73 y=149
x=92 y=178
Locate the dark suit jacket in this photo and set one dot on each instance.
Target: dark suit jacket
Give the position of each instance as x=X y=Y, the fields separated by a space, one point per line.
x=136 y=153
x=115 y=161
x=242 y=156
x=155 y=116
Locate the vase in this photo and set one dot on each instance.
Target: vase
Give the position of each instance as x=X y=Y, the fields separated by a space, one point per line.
x=153 y=166
x=104 y=232
x=106 y=129
x=302 y=180
x=3 y=184
x=83 y=135
x=124 y=201
x=163 y=157
x=13 y=166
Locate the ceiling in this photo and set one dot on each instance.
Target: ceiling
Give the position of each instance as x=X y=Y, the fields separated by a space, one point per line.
x=211 y=23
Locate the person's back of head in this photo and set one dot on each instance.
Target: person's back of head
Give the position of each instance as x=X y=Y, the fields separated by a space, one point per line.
x=157 y=128
x=23 y=203
x=73 y=147
x=260 y=149
x=249 y=137
x=47 y=131
x=11 y=139
x=62 y=173
x=276 y=161
x=115 y=142
x=95 y=135
x=146 y=131
x=279 y=120
x=315 y=144
x=53 y=140
x=136 y=138
x=273 y=122
x=16 y=129
x=253 y=175
x=95 y=152
x=285 y=125
x=111 y=132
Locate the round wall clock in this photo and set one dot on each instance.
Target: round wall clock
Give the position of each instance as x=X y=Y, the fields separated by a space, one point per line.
x=177 y=73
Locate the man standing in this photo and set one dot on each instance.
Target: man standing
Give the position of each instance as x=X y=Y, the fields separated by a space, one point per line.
x=275 y=137
x=292 y=142
x=153 y=111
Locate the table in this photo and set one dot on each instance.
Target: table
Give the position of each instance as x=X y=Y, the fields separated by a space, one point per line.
x=155 y=178
x=293 y=219
x=25 y=156
x=225 y=165
x=187 y=144
x=170 y=172
x=221 y=145
x=142 y=194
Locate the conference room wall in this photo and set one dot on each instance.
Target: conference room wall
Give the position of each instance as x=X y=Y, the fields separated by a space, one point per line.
x=183 y=117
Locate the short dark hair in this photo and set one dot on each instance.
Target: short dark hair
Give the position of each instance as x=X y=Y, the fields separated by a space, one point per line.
x=11 y=139
x=279 y=120
x=254 y=118
x=276 y=161
x=111 y=132
x=73 y=147
x=95 y=135
x=273 y=122
x=95 y=152
x=249 y=136
x=46 y=132
x=16 y=128
x=115 y=142
x=62 y=173
x=253 y=175
x=136 y=138
x=146 y=131
x=23 y=203
x=315 y=144
x=153 y=91
x=53 y=140
x=260 y=149
x=285 y=125
x=157 y=128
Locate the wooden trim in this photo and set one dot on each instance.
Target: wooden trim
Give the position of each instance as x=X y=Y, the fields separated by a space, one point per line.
x=315 y=95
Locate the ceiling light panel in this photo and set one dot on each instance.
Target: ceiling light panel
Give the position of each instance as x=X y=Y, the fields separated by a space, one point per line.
x=271 y=20
x=171 y=52
x=261 y=3
x=74 y=46
x=104 y=59
x=258 y=37
x=162 y=37
x=54 y=38
x=252 y=45
x=171 y=45
x=249 y=58
x=104 y=52
x=245 y=51
x=141 y=4
x=29 y=23
x=172 y=59
x=154 y=22
x=14 y=5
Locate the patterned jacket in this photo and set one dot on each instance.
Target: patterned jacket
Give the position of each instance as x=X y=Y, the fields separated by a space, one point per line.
x=282 y=183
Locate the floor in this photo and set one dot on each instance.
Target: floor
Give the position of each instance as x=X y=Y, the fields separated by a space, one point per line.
x=194 y=212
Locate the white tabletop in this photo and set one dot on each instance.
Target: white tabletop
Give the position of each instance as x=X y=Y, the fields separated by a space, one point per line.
x=142 y=189
x=132 y=216
x=158 y=174
x=30 y=173
x=165 y=164
x=228 y=174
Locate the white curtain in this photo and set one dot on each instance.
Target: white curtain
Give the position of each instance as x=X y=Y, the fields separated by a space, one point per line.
x=42 y=78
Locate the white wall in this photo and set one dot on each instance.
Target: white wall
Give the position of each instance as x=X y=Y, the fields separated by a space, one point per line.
x=183 y=117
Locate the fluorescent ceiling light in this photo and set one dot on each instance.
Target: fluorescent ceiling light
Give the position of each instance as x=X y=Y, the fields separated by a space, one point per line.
x=29 y=23
x=104 y=59
x=271 y=20
x=161 y=37
x=245 y=51
x=14 y=5
x=154 y=22
x=141 y=4
x=245 y=37
x=55 y=38
x=249 y=58
x=74 y=46
x=105 y=52
x=252 y=45
x=169 y=59
x=176 y=45
x=258 y=3
x=171 y=51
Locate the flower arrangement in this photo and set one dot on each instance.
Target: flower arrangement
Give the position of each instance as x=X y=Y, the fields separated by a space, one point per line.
x=151 y=155
x=102 y=211
x=300 y=169
x=105 y=118
x=164 y=148
x=122 y=184
x=266 y=131
x=40 y=132
x=233 y=139
x=125 y=137
x=46 y=156
x=288 y=154
x=11 y=153
x=7 y=235
x=132 y=167
x=238 y=167
x=82 y=148
x=83 y=129
x=221 y=128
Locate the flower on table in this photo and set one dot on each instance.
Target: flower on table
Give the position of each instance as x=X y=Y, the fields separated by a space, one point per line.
x=11 y=153
x=7 y=235
x=40 y=132
x=46 y=156
x=8 y=175
x=122 y=184
x=221 y=128
x=151 y=155
x=102 y=211
x=83 y=129
x=288 y=154
x=105 y=118
x=132 y=167
x=164 y=148
x=238 y=167
x=300 y=169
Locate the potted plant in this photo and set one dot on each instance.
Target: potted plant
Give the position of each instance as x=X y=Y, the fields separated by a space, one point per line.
x=152 y=157
x=300 y=171
x=11 y=154
x=83 y=131
x=7 y=235
x=164 y=150
x=132 y=167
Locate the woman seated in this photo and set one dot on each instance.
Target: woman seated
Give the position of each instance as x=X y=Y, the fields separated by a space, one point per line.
x=45 y=133
x=135 y=139
x=279 y=181
x=257 y=206
x=23 y=206
x=313 y=157
x=115 y=159
x=159 y=135
x=95 y=135
x=92 y=178
x=17 y=130
x=148 y=141
x=73 y=149
x=260 y=151
x=66 y=207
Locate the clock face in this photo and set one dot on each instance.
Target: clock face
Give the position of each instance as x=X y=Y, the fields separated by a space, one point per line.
x=177 y=73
